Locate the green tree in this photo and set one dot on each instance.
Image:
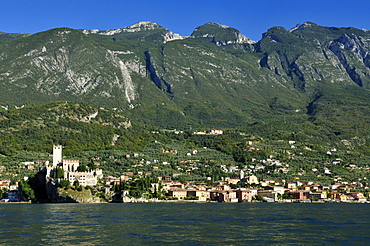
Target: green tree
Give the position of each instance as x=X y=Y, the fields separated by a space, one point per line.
x=28 y=192
x=82 y=168
x=77 y=185
x=287 y=195
x=258 y=198
x=58 y=173
x=182 y=179
x=92 y=165
x=64 y=183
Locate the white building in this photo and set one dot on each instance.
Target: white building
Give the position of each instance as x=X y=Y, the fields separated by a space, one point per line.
x=57 y=154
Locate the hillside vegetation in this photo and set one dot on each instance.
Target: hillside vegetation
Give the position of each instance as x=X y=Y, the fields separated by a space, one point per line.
x=115 y=92
x=76 y=126
x=276 y=150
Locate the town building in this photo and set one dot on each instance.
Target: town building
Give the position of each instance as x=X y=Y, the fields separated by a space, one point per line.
x=227 y=196
x=201 y=195
x=269 y=194
x=244 y=195
x=250 y=180
x=178 y=193
x=299 y=194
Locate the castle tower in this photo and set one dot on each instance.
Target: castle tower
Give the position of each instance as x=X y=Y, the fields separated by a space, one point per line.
x=57 y=154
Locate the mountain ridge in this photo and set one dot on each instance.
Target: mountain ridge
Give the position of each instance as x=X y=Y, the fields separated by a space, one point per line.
x=139 y=27
x=152 y=25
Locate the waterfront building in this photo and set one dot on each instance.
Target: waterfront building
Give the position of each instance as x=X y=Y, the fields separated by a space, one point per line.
x=244 y=195
x=178 y=193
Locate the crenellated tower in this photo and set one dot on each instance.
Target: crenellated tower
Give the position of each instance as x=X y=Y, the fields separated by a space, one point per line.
x=57 y=154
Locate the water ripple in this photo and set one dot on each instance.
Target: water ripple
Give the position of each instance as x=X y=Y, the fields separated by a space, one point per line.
x=184 y=224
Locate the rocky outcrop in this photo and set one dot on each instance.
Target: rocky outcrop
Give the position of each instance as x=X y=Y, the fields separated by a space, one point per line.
x=279 y=61
x=55 y=196
x=88 y=200
x=152 y=73
x=337 y=47
x=58 y=195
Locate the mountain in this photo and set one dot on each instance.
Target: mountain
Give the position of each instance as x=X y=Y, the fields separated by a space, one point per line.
x=141 y=31
x=220 y=34
x=216 y=77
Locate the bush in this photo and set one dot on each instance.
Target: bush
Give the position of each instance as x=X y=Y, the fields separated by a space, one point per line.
x=191 y=198
x=28 y=192
x=82 y=168
x=64 y=183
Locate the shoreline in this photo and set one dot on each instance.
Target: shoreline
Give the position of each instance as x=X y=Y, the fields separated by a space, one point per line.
x=186 y=201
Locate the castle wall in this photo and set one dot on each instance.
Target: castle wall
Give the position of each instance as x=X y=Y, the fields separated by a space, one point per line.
x=84 y=178
x=70 y=165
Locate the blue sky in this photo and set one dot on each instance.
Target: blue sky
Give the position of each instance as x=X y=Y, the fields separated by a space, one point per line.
x=251 y=17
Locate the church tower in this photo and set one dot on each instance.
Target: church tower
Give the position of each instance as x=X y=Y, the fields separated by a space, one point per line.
x=57 y=154
x=241 y=175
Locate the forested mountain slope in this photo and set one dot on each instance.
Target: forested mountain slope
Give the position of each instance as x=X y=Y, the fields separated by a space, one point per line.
x=216 y=77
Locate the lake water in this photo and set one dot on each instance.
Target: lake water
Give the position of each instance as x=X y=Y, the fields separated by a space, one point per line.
x=185 y=224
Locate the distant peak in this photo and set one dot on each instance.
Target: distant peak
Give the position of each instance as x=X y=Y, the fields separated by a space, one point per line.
x=143 y=26
x=303 y=26
x=146 y=23
x=300 y=27
x=211 y=24
x=137 y=27
x=216 y=24
x=221 y=34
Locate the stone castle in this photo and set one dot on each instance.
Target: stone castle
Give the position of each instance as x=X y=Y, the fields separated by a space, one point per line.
x=87 y=178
